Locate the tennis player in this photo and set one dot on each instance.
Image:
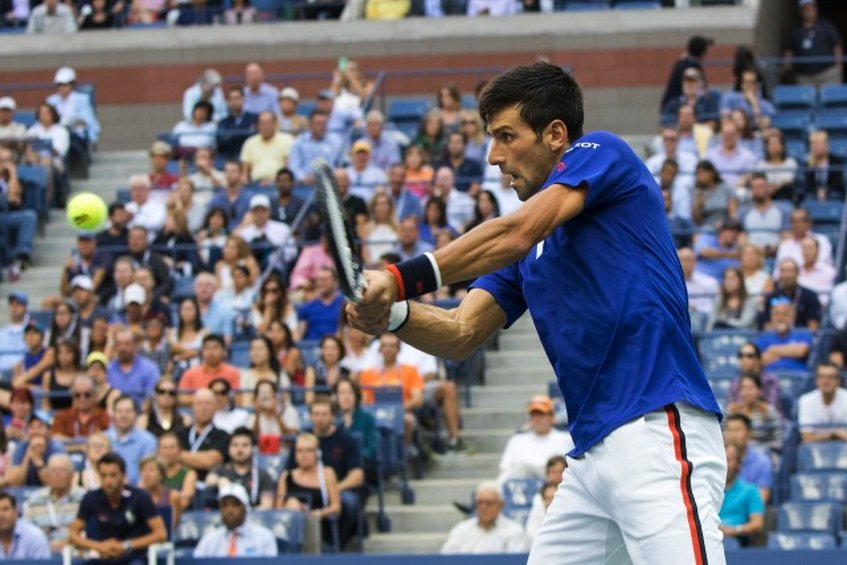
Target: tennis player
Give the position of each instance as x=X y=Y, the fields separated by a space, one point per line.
x=590 y=255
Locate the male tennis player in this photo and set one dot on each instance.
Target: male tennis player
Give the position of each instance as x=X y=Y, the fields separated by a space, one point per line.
x=590 y=255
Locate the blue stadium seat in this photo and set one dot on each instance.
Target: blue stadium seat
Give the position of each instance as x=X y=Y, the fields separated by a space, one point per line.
x=469 y=102
x=797 y=148
x=719 y=349
x=589 y=6
x=239 y=354
x=408 y=109
x=309 y=350
x=788 y=542
x=833 y=122
x=518 y=493
x=519 y=514
x=183 y=288
x=809 y=517
x=391 y=455
x=799 y=97
x=288 y=527
x=21 y=494
x=636 y=5
x=833 y=96
x=273 y=464
x=33 y=179
x=819 y=487
x=305 y=108
x=822 y=456
x=123 y=195
x=193 y=524
x=721 y=386
x=838 y=146
x=824 y=212
x=793 y=125
x=43 y=318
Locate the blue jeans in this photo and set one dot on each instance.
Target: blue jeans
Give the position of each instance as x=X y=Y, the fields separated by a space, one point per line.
x=22 y=223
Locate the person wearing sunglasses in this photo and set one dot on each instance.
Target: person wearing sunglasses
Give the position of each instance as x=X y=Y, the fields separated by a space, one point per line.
x=84 y=417
x=750 y=364
x=160 y=413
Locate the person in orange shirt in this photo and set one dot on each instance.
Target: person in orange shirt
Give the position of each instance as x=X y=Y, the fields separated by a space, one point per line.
x=212 y=367
x=393 y=374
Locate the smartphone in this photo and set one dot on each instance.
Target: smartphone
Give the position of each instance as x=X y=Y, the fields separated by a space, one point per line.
x=342 y=63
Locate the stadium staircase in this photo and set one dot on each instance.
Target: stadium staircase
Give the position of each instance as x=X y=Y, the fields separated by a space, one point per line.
x=515 y=372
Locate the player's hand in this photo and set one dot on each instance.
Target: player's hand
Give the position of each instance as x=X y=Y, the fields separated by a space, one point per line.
x=371 y=314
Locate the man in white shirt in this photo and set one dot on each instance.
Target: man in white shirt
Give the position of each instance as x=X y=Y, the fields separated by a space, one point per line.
x=52 y=18
x=146 y=212
x=733 y=162
x=261 y=225
x=822 y=413
x=702 y=289
x=12 y=334
x=364 y=176
x=670 y=150
x=791 y=246
x=460 y=206
x=527 y=453
x=763 y=221
x=488 y=532
x=237 y=537
x=815 y=275
x=10 y=130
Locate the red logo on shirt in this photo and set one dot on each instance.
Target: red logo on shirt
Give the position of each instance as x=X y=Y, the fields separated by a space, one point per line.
x=560 y=166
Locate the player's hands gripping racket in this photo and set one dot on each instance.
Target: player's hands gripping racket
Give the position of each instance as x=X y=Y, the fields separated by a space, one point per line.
x=342 y=243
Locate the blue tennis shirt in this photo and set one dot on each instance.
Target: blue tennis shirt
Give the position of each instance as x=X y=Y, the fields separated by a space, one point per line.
x=607 y=295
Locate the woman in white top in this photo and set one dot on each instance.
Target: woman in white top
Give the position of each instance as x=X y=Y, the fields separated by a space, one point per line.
x=381 y=232
x=272 y=419
x=200 y=131
x=733 y=309
x=756 y=280
x=187 y=338
x=777 y=165
x=236 y=251
x=212 y=238
x=47 y=127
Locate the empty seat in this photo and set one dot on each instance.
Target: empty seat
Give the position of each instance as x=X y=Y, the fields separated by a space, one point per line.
x=637 y=5
x=824 y=212
x=796 y=148
x=519 y=492
x=586 y=6
x=793 y=125
x=720 y=386
x=798 y=97
x=193 y=524
x=517 y=513
x=809 y=517
x=783 y=541
x=408 y=109
x=838 y=147
x=834 y=123
x=239 y=354
x=822 y=456
x=814 y=487
x=288 y=527
x=719 y=350
x=833 y=96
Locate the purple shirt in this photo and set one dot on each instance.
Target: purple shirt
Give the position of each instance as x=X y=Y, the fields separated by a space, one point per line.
x=138 y=381
x=756 y=468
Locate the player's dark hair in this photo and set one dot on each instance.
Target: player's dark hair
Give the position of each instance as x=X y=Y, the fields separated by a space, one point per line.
x=10 y=498
x=543 y=92
x=739 y=418
x=112 y=459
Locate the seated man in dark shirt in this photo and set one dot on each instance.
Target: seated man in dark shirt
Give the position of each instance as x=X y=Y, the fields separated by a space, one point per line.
x=468 y=171
x=237 y=126
x=127 y=521
x=807 y=307
x=240 y=469
x=204 y=446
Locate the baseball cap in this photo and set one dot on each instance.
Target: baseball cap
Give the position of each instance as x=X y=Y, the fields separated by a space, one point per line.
x=96 y=357
x=289 y=92
x=7 y=103
x=361 y=145
x=32 y=326
x=19 y=296
x=260 y=200
x=64 y=75
x=540 y=403
x=236 y=491
x=326 y=94
x=161 y=148
x=82 y=281
x=135 y=293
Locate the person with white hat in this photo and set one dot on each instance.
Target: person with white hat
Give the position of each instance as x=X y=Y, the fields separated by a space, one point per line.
x=9 y=128
x=259 y=226
x=289 y=120
x=207 y=87
x=74 y=107
x=237 y=536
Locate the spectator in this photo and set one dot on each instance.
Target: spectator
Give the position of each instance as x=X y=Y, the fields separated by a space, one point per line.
x=161 y=415
x=681 y=229
x=185 y=340
x=178 y=476
x=47 y=127
x=205 y=178
x=272 y=305
x=141 y=254
x=104 y=394
x=54 y=507
x=756 y=465
x=85 y=270
x=261 y=229
x=784 y=348
x=696 y=94
x=140 y=307
x=237 y=537
x=409 y=244
x=129 y=372
x=311 y=260
x=554 y=471
x=354 y=207
x=748 y=96
x=385 y=152
x=702 y=289
x=12 y=334
x=686 y=160
x=380 y=233
x=96 y=446
x=98 y=18
x=20 y=407
x=288 y=207
x=127 y=440
x=212 y=237
x=805 y=304
x=791 y=247
x=766 y=422
x=763 y=221
x=264 y=366
x=208 y=88
x=114 y=237
x=468 y=172
x=259 y=96
x=365 y=177
x=460 y=206
x=733 y=161
x=430 y=136
x=145 y=212
x=270 y=421
x=406 y=204
x=750 y=364
x=266 y=152
x=62 y=375
x=51 y=18
x=227 y=416
x=100 y=341
x=815 y=275
x=84 y=417
x=31 y=369
x=340 y=452
x=197 y=132
x=239 y=299
x=527 y=452
x=692 y=58
x=354 y=420
x=12 y=132
x=212 y=366
x=733 y=309
x=489 y=531
x=161 y=179
x=236 y=253
x=74 y=107
x=419 y=173
x=152 y=471
x=286 y=351
x=15 y=218
x=19 y=539
x=825 y=171
x=779 y=167
x=822 y=413
x=714 y=201
x=813 y=38
x=175 y=242
x=127 y=518
x=743 y=511
x=314 y=144
x=241 y=469
x=717 y=253
x=234 y=198
x=237 y=126
x=328 y=370
x=241 y=12
x=28 y=461
x=204 y=447
x=679 y=189
x=216 y=319
x=289 y=120
x=320 y=316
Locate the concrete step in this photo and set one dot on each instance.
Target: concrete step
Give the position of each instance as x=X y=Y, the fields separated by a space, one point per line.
x=404 y=543
x=523 y=341
x=481 y=417
x=488 y=440
x=104 y=186
x=506 y=395
x=461 y=466
x=496 y=376
x=433 y=491
x=434 y=518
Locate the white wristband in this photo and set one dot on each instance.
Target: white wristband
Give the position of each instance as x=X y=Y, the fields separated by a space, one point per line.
x=398 y=316
x=435 y=269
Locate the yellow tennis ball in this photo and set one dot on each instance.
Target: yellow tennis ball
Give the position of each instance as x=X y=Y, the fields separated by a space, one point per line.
x=87 y=211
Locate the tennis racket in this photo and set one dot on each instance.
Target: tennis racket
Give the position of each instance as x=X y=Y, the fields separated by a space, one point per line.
x=342 y=242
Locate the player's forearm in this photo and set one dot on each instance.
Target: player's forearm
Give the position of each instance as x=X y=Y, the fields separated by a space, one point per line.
x=444 y=333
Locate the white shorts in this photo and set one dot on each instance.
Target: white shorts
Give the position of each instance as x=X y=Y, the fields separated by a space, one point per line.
x=648 y=494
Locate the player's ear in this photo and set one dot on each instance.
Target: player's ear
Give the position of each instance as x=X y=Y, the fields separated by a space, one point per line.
x=557 y=136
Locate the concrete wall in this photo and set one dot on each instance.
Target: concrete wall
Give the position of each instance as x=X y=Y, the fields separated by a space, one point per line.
x=621 y=58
